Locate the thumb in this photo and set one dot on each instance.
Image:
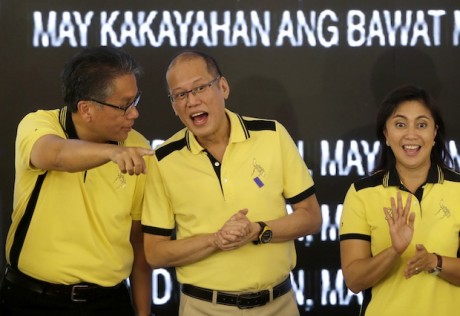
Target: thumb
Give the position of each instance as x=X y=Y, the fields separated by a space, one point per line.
x=244 y=211
x=419 y=247
x=146 y=152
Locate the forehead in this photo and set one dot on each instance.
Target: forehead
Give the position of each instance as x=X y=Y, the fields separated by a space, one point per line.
x=186 y=70
x=412 y=108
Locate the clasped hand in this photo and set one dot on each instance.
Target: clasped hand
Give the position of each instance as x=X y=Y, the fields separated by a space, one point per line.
x=236 y=231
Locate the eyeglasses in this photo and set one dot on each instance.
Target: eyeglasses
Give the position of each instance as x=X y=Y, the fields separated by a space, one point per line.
x=126 y=108
x=181 y=96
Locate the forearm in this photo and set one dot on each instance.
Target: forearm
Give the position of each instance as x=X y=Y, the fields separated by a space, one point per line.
x=141 y=273
x=175 y=253
x=141 y=288
x=450 y=270
x=53 y=153
x=362 y=274
x=79 y=156
x=304 y=220
x=293 y=226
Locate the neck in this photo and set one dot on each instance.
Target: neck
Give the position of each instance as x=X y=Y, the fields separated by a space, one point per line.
x=217 y=143
x=412 y=179
x=83 y=132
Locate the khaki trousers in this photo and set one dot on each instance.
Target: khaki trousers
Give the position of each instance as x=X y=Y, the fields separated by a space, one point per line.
x=284 y=305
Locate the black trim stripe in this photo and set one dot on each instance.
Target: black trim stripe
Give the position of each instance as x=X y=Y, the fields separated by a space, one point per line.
x=65 y=118
x=23 y=226
x=157 y=230
x=167 y=149
x=355 y=236
x=243 y=126
x=187 y=138
x=369 y=182
x=260 y=125
x=450 y=175
x=302 y=196
x=367 y=297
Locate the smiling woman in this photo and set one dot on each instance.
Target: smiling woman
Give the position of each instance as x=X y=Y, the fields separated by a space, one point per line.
x=394 y=224
x=410 y=133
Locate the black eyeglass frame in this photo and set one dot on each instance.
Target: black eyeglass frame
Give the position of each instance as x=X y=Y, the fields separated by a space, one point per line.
x=122 y=108
x=194 y=91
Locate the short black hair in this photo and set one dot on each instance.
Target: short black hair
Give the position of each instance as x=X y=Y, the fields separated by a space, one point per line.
x=90 y=74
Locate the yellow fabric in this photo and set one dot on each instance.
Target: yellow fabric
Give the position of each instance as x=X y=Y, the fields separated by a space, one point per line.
x=437 y=226
x=81 y=225
x=184 y=190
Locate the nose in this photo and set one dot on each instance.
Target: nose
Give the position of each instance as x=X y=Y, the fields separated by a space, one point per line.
x=411 y=130
x=132 y=113
x=192 y=98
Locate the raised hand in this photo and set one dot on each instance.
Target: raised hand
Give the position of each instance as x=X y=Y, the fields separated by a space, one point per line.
x=400 y=222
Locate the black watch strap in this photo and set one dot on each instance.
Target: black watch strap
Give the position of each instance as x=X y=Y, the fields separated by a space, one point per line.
x=262 y=226
x=436 y=270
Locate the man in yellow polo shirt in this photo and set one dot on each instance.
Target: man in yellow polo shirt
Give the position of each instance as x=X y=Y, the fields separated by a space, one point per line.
x=75 y=234
x=223 y=183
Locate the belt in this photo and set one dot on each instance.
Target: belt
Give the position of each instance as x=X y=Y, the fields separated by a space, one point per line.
x=243 y=300
x=81 y=292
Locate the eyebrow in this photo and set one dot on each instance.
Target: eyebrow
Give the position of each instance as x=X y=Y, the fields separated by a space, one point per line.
x=130 y=99
x=195 y=83
x=417 y=118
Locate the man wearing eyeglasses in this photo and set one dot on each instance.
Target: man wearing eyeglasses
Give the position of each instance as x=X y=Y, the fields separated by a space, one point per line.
x=222 y=184
x=80 y=172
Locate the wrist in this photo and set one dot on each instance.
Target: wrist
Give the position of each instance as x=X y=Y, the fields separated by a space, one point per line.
x=438 y=265
x=264 y=235
x=212 y=241
x=395 y=253
x=255 y=230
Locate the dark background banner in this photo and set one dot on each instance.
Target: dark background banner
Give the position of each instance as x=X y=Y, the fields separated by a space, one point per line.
x=319 y=67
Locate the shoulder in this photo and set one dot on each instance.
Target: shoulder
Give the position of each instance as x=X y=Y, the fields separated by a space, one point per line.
x=136 y=139
x=259 y=124
x=44 y=115
x=40 y=123
x=371 y=181
x=176 y=142
x=451 y=175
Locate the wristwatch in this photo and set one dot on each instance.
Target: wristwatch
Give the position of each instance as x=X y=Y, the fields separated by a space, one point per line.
x=436 y=270
x=265 y=234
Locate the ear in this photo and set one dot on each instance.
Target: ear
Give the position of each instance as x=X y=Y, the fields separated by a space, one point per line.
x=386 y=136
x=174 y=109
x=224 y=87
x=85 y=110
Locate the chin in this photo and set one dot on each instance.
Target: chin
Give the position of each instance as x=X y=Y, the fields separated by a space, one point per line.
x=120 y=138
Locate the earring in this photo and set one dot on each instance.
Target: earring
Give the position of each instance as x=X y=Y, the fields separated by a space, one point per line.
x=388 y=144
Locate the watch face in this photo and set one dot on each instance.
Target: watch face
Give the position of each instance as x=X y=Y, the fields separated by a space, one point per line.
x=266 y=236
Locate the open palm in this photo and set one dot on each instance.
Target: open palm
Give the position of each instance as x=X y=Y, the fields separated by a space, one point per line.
x=400 y=222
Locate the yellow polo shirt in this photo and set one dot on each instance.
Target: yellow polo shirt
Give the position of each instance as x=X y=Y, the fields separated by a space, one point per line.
x=437 y=225
x=80 y=227
x=261 y=170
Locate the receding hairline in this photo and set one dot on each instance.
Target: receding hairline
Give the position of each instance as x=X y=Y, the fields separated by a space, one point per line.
x=210 y=63
x=186 y=56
